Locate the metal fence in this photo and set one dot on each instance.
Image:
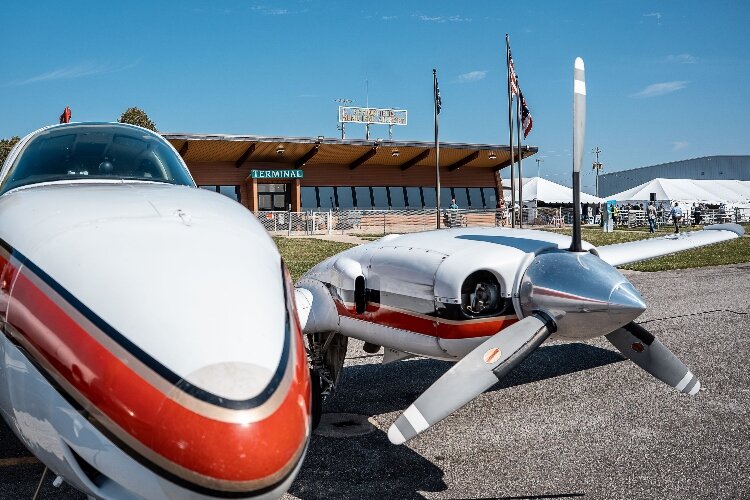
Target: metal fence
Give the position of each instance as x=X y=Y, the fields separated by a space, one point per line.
x=637 y=218
x=402 y=221
x=406 y=221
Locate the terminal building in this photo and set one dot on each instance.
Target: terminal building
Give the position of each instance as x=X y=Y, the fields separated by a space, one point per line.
x=705 y=168
x=300 y=174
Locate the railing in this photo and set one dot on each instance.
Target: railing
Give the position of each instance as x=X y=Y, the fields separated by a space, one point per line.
x=407 y=221
x=404 y=221
x=637 y=218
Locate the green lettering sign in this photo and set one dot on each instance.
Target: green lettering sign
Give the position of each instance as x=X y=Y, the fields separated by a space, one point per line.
x=277 y=174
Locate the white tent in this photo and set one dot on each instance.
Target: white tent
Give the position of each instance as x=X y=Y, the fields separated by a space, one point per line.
x=688 y=190
x=540 y=189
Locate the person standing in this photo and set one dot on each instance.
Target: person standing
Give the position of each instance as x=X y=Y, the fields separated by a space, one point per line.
x=453 y=207
x=651 y=214
x=500 y=213
x=698 y=214
x=676 y=214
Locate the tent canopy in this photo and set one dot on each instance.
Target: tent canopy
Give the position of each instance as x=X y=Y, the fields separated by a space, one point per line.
x=540 y=189
x=688 y=190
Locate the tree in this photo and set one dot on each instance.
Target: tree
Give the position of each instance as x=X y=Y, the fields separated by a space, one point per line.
x=136 y=116
x=5 y=146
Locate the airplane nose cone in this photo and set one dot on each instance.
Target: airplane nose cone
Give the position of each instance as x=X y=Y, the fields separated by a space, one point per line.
x=583 y=294
x=625 y=301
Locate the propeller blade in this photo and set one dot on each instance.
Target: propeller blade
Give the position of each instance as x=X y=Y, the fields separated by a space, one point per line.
x=640 y=346
x=471 y=376
x=579 y=133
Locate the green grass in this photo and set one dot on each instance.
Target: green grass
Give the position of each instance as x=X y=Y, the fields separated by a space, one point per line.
x=730 y=252
x=300 y=254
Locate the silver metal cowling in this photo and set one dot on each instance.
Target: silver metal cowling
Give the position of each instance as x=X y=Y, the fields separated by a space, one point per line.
x=584 y=295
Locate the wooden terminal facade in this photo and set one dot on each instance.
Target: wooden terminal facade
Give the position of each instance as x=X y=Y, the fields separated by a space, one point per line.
x=263 y=173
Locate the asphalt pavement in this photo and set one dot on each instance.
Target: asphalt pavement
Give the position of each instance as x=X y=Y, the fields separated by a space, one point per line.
x=573 y=420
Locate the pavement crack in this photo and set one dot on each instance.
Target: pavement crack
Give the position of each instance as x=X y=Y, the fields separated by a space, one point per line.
x=712 y=311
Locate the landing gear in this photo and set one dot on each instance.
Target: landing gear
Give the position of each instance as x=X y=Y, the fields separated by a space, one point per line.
x=326 y=352
x=316 y=398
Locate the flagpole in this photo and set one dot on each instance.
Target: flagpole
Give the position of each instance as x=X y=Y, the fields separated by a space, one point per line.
x=510 y=130
x=437 y=147
x=520 y=178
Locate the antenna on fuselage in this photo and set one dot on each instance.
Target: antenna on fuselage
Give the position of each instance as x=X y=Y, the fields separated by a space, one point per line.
x=579 y=132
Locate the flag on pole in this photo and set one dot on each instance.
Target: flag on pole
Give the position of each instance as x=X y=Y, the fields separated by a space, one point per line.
x=513 y=78
x=438 y=100
x=526 y=120
x=66 y=115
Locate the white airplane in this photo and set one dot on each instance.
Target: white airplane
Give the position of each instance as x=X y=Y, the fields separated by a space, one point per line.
x=485 y=298
x=151 y=345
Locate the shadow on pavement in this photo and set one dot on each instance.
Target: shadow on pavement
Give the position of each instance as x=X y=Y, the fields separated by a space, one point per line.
x=374 y=389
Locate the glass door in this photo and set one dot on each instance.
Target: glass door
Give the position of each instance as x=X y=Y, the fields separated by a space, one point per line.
x=273 y=197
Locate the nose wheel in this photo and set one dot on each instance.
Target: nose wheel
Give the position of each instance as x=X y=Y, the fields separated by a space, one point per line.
x=326 y=352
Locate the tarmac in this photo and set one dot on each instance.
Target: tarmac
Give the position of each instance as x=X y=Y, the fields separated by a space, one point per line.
x=574 y=420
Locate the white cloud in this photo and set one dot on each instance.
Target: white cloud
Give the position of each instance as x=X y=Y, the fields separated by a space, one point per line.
x=678 y=145
x=657 y=89
x=657 y=15
x=76 y=71
x=269 y=11
x=472 y=76
x=444 y=19
x=682 y=59
x=389 y=18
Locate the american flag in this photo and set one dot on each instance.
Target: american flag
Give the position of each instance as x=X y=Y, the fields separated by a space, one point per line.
x=526 y=120
x=438 y=100
x=513 y=78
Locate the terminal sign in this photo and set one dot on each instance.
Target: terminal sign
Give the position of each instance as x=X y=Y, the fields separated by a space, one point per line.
x=276 y=174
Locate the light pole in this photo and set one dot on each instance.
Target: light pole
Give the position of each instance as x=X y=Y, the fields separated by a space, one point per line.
x=598 y=167
x=538 y=161
x=342 y=127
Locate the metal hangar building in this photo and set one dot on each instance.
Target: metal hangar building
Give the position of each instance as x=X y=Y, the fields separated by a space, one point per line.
x=735 y=167
x=298 y=173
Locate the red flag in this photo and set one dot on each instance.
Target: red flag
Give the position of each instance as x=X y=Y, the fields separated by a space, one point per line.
x=66 y=115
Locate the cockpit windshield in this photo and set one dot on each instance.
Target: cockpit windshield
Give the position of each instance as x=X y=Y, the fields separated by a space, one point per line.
x=95 y=151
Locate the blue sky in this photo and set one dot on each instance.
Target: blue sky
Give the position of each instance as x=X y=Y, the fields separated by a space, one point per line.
x=667 y=80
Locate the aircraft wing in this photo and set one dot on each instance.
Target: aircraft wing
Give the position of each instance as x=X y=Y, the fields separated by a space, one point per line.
x=634 y=251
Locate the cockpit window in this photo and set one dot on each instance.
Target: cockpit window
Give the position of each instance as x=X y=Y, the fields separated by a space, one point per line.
x=96 y=151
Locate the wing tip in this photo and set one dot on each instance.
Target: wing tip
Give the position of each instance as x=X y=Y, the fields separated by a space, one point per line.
x=735 y=228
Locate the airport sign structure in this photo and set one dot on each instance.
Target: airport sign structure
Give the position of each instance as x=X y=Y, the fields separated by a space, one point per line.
x=352 y=114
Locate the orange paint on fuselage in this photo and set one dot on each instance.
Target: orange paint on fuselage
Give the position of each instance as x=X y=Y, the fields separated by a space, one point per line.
x=427 y=325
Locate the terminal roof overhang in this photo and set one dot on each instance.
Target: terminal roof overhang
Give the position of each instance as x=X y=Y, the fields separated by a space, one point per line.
x=355 y=153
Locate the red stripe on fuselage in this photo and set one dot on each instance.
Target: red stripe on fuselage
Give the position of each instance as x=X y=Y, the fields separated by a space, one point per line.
x=219 y=451
x=428 y=325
